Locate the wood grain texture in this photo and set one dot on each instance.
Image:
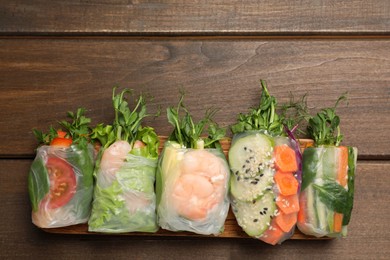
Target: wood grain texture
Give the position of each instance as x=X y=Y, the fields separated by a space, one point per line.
x=175 y=17
x=368 y=236
x=42 y=78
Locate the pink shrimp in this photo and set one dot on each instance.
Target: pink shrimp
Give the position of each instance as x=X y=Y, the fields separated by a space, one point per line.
x=114 y=156
x=200 y=186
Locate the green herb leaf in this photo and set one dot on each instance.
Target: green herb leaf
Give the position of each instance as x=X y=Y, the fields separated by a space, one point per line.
x=324 y=127
x=127 y=125
x=294 y=114
x=78 y=128
x=188 y=133
x=262 y=118
x=333 y=195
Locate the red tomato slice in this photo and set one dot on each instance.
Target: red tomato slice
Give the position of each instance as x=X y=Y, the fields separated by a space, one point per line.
x=62 y=182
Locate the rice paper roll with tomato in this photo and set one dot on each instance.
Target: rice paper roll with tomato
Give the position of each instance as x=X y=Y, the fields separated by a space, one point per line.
x=265 y=163
x=328 y=179
x=60 y=179
x=124 y=197
x=192 y=177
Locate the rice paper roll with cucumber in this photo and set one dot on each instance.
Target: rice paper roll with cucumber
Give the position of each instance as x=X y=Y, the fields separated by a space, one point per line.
x=192 y=177
x=328 y=179
x=265 y=164
x=124 y=197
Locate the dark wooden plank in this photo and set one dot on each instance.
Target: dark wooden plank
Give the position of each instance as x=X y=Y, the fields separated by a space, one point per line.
x=41 y=79
x=368 y=236
x=194 y=17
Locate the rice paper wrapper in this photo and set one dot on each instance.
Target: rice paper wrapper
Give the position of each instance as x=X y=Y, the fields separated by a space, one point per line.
x=192 y=190
x=255 y=166
x=60 y=185
x=327 y=190
x=124 y=197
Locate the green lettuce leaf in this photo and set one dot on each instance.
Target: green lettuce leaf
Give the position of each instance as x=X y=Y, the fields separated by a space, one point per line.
x=38 y=183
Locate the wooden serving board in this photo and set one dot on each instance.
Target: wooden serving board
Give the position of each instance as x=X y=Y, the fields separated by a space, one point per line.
x=232 y=229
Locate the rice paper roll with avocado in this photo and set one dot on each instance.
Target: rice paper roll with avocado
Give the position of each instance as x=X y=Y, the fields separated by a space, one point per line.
x=124 y=197
x=192 y=177
x=328 y=179
x=265 y=164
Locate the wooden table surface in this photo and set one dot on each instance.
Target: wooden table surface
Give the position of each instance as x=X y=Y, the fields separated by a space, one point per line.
x=56 y=56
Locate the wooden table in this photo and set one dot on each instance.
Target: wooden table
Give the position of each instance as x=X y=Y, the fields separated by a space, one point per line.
x=58 y=55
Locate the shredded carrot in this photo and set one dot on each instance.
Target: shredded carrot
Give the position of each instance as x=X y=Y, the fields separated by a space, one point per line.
x=303 y=208
x=342 y=175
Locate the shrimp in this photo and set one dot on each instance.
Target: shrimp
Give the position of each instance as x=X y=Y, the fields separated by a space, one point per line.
x=114 y=157
x=200 y=186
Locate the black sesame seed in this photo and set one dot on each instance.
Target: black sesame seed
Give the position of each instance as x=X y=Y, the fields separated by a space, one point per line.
x=254 y=182
x=261 y=213
x=247 y=170
x=265 y=208
x=245 y=148
x=251 y=158
x=247 y=161
x=255 y=220
x=236 y=172
x=246 y=178
x=253 y=201
x=243 y=166
x=257 y=179
x=261 y=175
x=238 y=178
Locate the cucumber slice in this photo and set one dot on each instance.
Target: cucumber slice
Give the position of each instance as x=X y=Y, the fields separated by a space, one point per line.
x=251 y=188
x=255 y=217
x=249 y=154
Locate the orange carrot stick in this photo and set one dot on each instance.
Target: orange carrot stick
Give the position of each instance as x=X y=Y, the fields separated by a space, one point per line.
x=302 y=207
x=342 y=177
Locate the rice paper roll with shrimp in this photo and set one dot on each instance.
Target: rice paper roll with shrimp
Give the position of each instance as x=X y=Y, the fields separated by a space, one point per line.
x=124 y=197
x=192 y=177
x=265 y=162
